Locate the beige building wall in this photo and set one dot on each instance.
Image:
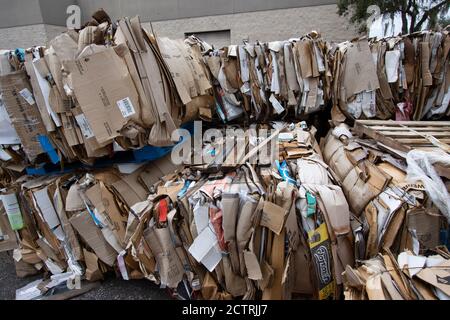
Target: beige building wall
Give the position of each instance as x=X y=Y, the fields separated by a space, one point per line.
x=264 y=25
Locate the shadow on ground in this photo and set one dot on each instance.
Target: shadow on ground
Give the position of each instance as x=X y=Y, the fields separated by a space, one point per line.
x=110 y=289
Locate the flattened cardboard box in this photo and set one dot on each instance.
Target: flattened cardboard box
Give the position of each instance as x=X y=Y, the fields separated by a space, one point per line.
x=106 y=93
x=21 y=107
x=86 y=227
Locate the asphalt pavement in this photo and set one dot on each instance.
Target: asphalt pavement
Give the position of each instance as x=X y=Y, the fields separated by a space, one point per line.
x=111 y=288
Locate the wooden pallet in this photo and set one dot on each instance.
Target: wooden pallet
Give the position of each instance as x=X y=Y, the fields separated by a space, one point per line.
x=400 y=137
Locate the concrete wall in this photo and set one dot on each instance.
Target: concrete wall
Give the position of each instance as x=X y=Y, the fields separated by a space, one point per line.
x=54 y=11
x=24 y=23
x=28 y=36
x=20 y=13
x=264 y=25
x=157 y=10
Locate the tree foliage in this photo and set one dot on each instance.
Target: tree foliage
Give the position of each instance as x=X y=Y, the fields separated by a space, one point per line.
x=415 y=14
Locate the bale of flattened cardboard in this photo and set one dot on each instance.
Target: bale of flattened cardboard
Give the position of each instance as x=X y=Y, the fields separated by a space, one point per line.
x=19 y=102
x=279 y=230
x=402 y=78
x=392 y=210
x=94 y=95
x=75 y=222
x=249 y=219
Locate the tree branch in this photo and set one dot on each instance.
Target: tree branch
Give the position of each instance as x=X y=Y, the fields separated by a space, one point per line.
x=427 y=13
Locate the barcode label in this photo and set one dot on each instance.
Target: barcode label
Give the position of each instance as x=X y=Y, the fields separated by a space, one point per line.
x=84 y=126
x=27 y=95
x=276 y=104
x=126 y=107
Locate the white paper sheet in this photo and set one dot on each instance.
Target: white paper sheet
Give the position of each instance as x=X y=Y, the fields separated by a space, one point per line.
x=201 y=217
x=48 y=212
x=45 y=89
x=392 y=63
x=8 y=134
x=204 y=249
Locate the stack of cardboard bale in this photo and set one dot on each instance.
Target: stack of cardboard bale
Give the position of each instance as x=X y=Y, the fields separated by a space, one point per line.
x=397 y=215
x=272 y=230
x=227 y=220
x=89 y=94
x=403 y=78
x=266 y=80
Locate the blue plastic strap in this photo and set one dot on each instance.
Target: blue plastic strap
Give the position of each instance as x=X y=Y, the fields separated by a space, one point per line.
x=48 y=148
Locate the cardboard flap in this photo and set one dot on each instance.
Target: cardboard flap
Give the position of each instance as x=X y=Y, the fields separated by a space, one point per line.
x=273 y=217
x=86 y=227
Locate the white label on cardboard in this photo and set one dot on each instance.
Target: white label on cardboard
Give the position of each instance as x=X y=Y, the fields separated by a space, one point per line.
x=276 y=104
x=27 y=95
x=126 y=107
x=86 y=129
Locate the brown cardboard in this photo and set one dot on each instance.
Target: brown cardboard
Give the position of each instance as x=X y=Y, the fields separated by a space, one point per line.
x=304 y=55
x=273 y=217
x=93 y=272
x=426 y=225
x=129 y=189
x=65 y=47
x=425 y=63
x=360 y=71
x=148 y=114
x=71 y=237
x=274 y=292
x=93 y=236
x=438 y=276
x=49 y=252
x=171 y=191
x=55 y=68
x=393 y=230
x=105 y=91
x=170 y=268
x=252 y=266
x=24 y=114
x=360 y=192
x=398 y=277
x=189 y=77
x=244 y=229
x=156 y=87
x=103 y=200
x=93 y=148
x=235 y=284
x=38 y=95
